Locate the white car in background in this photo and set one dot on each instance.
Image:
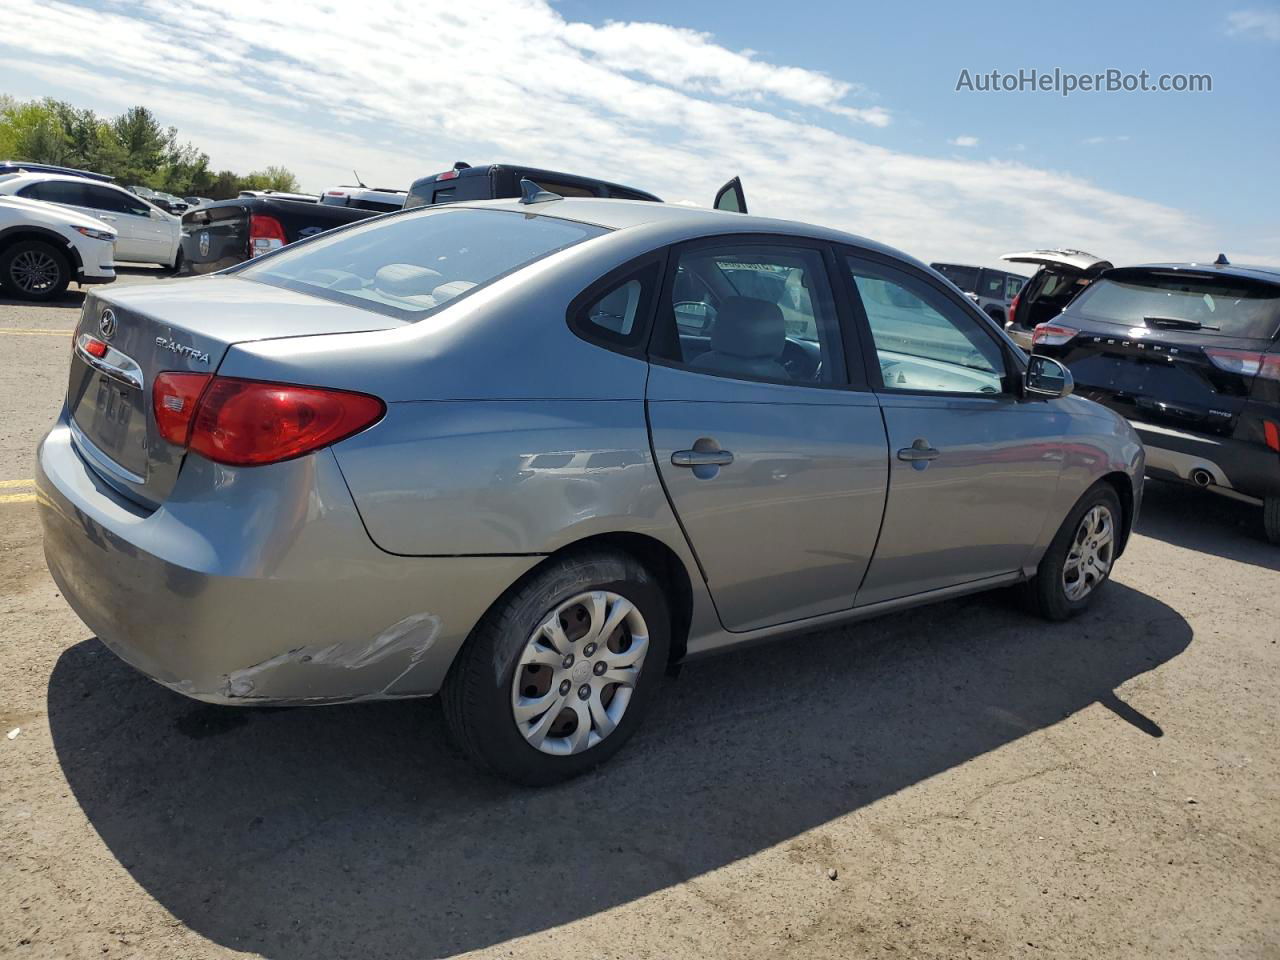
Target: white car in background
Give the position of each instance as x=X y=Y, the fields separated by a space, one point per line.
x=43 y=248
x=146 y=234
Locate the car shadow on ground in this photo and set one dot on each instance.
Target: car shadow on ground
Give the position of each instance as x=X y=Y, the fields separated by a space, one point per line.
x=357 y=831
x=1209 y=523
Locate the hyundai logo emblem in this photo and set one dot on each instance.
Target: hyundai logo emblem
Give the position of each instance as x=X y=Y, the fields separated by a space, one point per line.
x=107 y=324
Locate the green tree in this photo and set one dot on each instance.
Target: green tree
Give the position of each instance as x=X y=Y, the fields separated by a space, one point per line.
x=145 y=142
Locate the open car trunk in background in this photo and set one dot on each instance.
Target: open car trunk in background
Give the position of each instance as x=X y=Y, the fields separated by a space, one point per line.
x=184 y=326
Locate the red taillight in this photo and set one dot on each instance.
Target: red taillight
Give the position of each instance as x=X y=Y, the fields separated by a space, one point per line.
x=1013 y=308
x=1052 y=334
x=448 y=175
x=265 y=234
x=1271 y=431
x=1247 y=363
x=94 y=347
x=173 y=400
x=249 y=422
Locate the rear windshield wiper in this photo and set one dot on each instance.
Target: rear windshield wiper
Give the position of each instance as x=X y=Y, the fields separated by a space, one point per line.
x=1176 y=323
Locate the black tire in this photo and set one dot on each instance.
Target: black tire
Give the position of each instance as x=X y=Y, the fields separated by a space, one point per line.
x=1271 y=518
x=34 y=270
x=1046 y=591
x=179 y=261
x=477 y=694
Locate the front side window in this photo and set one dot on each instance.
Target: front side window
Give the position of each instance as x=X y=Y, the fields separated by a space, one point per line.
x=409 y=266
x=966 y=278
x=754 y=311
x=923 y=341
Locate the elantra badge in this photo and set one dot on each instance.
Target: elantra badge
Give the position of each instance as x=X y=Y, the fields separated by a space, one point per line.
x=182 y=350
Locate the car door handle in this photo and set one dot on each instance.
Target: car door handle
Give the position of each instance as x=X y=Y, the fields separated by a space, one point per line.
x=701 y=458
x=918 y=451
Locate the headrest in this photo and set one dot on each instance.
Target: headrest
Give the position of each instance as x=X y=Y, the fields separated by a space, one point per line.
x=406 y=280
x=747 y=327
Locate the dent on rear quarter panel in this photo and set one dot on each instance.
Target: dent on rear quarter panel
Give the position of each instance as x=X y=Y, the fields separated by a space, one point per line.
x=445 y=478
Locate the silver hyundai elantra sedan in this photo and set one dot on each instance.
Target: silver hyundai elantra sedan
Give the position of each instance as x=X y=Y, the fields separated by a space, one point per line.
x=528 y=455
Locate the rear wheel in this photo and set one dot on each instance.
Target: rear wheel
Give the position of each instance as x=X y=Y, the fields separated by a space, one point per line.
x=1079 y=560
x=34 y=270
x=559 y=673
x=1271 y=518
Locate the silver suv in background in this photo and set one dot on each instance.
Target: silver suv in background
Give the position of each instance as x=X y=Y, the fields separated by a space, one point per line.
x=1062 y=275
x=992 y=290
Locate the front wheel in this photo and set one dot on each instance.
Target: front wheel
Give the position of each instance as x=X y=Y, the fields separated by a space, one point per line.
x=557 y=675
x=1079 y=560
x=35 y=270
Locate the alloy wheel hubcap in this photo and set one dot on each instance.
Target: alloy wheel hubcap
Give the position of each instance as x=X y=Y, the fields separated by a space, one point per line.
x=578 y=671
x=1092 y=551
x=33 y=271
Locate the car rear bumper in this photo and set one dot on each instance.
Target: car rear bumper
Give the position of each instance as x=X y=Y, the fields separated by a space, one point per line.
x=1247 y=471
x=256 y=586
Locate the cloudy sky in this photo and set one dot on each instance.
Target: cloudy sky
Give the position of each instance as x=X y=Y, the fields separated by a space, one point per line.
x=829 y=112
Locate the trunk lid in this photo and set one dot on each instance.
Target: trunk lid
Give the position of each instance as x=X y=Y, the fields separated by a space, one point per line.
x=215 y=237
x=184 y=326
x=1069 y=259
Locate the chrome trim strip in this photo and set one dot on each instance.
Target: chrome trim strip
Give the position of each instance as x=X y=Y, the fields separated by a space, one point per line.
x=115 y=364
x=99 y=460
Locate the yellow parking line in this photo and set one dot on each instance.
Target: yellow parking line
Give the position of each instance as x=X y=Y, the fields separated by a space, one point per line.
x=17 y=483
x=36 y=333
x=18 y=498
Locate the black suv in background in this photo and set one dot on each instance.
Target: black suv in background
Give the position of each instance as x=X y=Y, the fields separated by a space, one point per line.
x=498 y=180
x=1189 y=354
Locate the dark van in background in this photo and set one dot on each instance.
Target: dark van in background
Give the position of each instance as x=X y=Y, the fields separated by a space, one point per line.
x=497 y=180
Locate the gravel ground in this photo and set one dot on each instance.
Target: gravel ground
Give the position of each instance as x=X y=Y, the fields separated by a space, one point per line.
x=982 y=784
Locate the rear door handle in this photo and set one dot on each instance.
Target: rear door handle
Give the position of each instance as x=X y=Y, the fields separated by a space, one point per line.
x=918 y=451
x=701 y=458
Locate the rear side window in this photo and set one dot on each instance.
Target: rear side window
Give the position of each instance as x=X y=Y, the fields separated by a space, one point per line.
x=992 y=285
x=560 y=188
x=966 y=278
x=615 y=311
x=409 y=266
x=56 y=191
x=1229 y=306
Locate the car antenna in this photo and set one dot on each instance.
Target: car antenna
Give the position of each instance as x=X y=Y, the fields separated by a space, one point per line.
x=359 y=182
x=530 y=192
x=1222 y=261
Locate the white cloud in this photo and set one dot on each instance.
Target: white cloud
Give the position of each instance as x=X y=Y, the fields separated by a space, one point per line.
x=400 y=91
x=1094 y=141
x=965 y=141
x=1255 y=23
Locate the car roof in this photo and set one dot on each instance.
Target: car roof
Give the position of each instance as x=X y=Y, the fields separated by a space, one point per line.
x=677 y=218
x=1262 y=272
x=42 y=175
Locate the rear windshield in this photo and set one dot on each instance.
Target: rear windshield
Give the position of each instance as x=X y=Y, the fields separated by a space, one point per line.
x=408 y=266
x=1229 y=306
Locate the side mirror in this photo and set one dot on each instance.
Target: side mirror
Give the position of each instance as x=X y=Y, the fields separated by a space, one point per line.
x=731 y=198
x=1046 y=377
